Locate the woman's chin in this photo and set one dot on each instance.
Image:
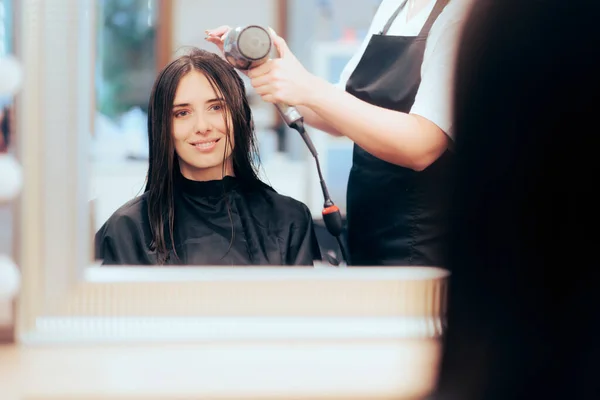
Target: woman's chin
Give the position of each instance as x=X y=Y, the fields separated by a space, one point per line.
x=205 y=171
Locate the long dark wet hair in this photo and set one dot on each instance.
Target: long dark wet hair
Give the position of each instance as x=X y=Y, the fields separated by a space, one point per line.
x=163 y=168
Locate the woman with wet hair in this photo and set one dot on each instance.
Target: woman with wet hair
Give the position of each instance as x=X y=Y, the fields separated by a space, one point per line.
x=204 y=203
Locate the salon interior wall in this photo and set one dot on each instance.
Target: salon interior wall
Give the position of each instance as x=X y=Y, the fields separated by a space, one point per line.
x=192 y=17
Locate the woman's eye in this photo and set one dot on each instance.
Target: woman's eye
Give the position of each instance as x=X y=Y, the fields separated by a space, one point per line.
x=217 y=107
x=180 y=114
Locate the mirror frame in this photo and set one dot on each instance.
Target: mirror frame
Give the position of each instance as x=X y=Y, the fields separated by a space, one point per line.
x=63 y=299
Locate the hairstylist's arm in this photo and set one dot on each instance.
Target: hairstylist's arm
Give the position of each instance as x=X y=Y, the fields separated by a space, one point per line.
x=404 y=139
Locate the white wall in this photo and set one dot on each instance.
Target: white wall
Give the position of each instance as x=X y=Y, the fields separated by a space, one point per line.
x=192 y=17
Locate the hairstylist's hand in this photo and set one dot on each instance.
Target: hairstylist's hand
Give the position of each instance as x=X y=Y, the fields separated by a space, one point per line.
x=284 y=79
x=217 y=35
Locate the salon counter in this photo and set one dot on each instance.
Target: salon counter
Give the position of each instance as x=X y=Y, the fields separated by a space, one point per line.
x=369 y=369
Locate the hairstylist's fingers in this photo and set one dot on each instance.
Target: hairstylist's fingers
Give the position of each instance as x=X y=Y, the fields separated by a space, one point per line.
x=215 y=36
x=269 y=98
x=259 y=81
x=266 y=95
x=263 y=90
x=260 y=70
x=279 y=43
x=214 y=40
x=218 y=32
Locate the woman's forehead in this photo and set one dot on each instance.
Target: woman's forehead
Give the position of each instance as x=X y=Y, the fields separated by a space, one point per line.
x=194 y=87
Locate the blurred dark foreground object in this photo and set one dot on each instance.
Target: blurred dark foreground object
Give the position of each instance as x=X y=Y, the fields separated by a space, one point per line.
x=524 y=313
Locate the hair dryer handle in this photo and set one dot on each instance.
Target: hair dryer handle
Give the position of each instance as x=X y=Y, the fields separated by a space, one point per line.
x=289 y=113
x=294 y=120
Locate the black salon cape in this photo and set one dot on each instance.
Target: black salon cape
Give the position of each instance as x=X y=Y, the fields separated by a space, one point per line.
x=216 y=223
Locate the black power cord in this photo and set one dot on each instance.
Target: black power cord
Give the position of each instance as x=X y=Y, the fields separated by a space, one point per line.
x=331 y=213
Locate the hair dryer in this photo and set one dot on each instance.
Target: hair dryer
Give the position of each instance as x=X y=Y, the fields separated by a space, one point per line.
x=250 y=46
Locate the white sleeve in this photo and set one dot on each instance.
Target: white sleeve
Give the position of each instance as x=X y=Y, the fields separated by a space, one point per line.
x=434 y=100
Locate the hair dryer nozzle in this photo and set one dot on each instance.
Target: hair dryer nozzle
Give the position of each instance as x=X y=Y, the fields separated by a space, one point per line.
x=247 y=47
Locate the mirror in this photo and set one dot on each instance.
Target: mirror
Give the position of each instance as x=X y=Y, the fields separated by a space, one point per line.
x=64 y=301
x=83 y=133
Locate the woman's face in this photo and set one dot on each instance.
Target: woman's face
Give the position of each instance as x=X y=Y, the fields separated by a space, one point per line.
x=199 y=130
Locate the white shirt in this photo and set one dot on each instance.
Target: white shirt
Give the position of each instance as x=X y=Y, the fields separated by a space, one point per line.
x=435 y=94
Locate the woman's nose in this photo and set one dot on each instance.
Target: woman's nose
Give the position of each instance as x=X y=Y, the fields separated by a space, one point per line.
x=202 y=124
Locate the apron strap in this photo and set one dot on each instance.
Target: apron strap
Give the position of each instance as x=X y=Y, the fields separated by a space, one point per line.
x=437 y=10
x=390 y=21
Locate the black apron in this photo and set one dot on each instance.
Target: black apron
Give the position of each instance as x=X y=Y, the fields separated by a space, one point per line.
x=395 y=214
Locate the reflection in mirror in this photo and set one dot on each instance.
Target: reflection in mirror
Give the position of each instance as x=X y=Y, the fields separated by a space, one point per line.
x=135 y=41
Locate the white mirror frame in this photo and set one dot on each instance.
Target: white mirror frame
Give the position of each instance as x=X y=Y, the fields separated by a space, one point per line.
x=64 y=300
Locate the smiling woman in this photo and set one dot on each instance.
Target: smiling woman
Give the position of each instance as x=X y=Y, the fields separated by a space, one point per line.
x=204 y=203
